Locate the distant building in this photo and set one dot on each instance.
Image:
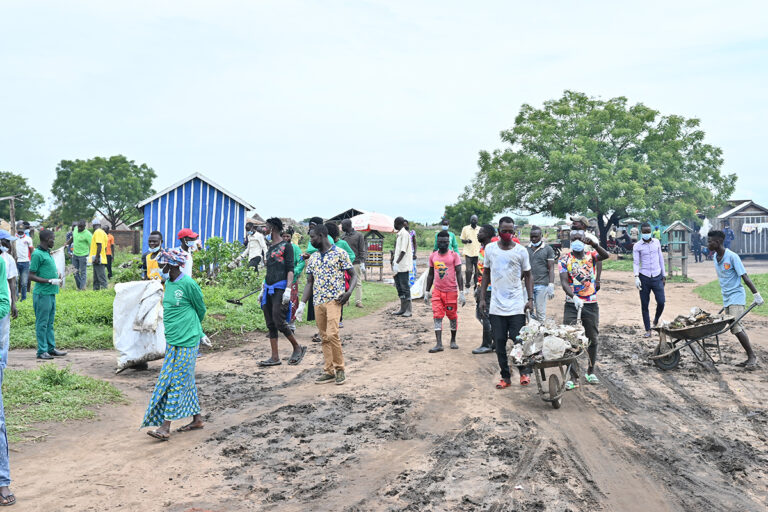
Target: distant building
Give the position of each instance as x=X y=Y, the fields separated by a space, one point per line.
x=749 y=222
x=196 y=203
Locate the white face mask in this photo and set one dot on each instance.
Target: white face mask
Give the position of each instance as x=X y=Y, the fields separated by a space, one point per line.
x=153 y=250
x=3 y=248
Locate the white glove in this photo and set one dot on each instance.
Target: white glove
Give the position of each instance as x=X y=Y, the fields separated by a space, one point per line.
x=578 y=302
x=261 y=294
x=287 y=296
x=592 y=239
x=638 y=283
x=758 y=299
x=551 y=291
x=428 y=297
x=300 y=312
x=362 y=267
x=395 y=268
x=462 y=299
x=205 y=341
x=57 y=282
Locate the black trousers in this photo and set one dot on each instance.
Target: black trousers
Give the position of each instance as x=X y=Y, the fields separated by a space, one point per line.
x=502 y=328
x=109 y=266
x=273 y=315
x=254 y=262
x=590 y=319
x=402 y=286
x=471 y=266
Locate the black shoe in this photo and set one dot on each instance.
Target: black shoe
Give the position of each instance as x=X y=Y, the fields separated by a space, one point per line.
x=57 y=353
x=482 y=350
x=45 y=355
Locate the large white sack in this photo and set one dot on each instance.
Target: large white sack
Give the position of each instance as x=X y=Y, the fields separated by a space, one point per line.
x=138 y=332
x=419 y=286
x=554 y=347
x=59 y=258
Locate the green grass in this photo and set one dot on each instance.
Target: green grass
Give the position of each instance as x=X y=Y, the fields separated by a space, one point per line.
x=50 y=393
x=680 y=279
x=623 y=265
x=711 y=292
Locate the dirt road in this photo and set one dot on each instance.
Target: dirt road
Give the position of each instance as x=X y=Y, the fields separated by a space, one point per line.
x=417 y=431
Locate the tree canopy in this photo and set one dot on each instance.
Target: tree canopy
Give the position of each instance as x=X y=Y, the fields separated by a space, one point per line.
x=28 y=200
x=110 y=186
x=458 y=214
x=605 y=158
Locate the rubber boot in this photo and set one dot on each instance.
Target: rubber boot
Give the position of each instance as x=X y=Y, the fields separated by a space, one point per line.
x=407 y=306
x=485 y=347
x=454 y=345
x=402 y=308
x=439 y=344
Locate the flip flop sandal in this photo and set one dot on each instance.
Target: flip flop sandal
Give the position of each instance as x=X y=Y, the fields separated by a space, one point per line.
x=269 y=362
x=10 y=499
x=435 y=350
x=302 y=351
x=187 y=428
x=503 y=384
x=158 y=436
x=525 y=380
x=316 y=338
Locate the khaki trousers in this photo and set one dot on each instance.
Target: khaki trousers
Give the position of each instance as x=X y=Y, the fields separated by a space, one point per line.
x=327 y=317
x=359 y=287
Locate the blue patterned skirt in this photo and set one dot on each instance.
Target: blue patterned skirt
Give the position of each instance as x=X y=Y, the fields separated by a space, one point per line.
x=175 y=394
x=412 y=275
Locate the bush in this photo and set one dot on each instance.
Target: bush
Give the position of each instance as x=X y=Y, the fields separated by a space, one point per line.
x=52 y=375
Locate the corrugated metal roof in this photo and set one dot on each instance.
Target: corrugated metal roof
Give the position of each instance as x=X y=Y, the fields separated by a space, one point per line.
x=734 y=210
x=248 y=206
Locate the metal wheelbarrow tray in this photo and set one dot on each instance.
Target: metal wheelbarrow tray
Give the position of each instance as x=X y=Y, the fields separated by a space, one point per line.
x=667 y=354
x=554 y=394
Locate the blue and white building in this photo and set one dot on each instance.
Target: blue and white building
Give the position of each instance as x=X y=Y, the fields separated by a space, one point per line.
x=196 y=203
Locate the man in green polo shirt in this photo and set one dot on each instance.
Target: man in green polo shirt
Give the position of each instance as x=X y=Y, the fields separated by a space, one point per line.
x=81 y=248
x=42 y=272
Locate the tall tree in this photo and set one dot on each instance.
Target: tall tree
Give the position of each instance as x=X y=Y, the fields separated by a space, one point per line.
x=28 y=200
x=458 y=214
x=110 y=186
x=605 y=158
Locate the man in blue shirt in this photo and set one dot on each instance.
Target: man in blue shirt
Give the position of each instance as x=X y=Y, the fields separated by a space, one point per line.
x=730 y=273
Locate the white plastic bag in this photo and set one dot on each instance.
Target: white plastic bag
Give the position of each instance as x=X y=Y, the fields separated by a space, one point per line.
x=419 y=286
x=138 y=332
x=61 y=263
x=554 y=347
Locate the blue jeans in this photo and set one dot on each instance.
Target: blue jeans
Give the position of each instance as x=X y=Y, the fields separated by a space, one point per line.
x=648 y=285
x=23 y=268
x=81 y=271
x=5 y=468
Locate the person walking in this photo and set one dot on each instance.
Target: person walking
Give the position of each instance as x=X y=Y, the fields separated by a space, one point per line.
x=298 y=267
x=578 y=278
x=730 y=273
x=444 y=226
x=24 y=248
x=485 y=236
x=81 y=248
x=471 y=250
x=334 y=233
x=581 y=223
x=650 y=275
x=255 y=249
x=505 y=263
x=542 y=258
x=325 y=284
x=190 y=243
x=7 y=310
x=43 y=272
x=414 y=270
x=311 y=249
x=401 y=265
x=11 y=272
x=175 y=394
x=730 y=236
x=696 y=246
x=279 y=264
x=449 y=290
x=98 y=254
x=356 y=241
x=109 y=251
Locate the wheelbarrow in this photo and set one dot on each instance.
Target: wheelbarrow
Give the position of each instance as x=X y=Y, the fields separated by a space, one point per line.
x=556 y=388
x=696 y=337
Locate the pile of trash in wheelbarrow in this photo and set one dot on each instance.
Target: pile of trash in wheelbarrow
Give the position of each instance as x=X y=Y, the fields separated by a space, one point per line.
x=548 y=341
x=697 y=317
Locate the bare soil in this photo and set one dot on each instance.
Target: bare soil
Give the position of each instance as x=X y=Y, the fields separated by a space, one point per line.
x=417 y=431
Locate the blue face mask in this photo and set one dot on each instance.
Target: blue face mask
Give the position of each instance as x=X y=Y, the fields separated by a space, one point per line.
x=577 y=246
x=26 y=231
x=154 y=250
x=647 y=236
x=166 y=276
x=268 y=238
x=536 y=244
x=445 y=228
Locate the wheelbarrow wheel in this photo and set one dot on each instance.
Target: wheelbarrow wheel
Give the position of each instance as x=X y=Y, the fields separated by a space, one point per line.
x=554 y=390
x=666 y=363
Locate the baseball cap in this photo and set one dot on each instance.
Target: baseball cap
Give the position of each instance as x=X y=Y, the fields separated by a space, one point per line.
x=580 y=218
x=186 y=233
x=4 y=235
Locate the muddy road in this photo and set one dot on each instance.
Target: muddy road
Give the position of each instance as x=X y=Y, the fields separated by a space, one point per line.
x=417 y=431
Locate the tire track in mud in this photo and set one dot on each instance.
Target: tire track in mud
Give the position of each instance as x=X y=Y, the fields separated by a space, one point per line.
x=709 y=456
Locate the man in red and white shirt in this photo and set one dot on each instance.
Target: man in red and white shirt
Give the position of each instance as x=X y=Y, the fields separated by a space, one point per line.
x=445 y=273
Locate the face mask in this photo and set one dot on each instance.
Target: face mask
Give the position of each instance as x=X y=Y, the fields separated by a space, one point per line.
x=442 y=246
x=647 y=236
x=165 y=275
x=445 y=228
x=3 y=248
x=536 y=244
x=154 y=250
x=577 y=246
x=268 y=238
x=26 y=231
x=191 y=245
x=507 y=237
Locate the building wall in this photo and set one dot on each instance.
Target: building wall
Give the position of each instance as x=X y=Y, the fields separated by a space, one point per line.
x=198 y=206
x=748 y=243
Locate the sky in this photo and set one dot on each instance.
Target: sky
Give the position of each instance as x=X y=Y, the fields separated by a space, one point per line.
x=309 y=108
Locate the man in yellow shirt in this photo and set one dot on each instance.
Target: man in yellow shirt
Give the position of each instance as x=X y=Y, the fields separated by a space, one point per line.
x=99 y=242
x=471 y=250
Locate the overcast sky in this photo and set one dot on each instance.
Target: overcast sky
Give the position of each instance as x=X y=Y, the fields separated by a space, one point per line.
x=308 y=108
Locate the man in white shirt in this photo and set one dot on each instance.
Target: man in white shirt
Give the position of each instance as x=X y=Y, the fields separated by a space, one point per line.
x=257 y=248
x=24 y=248
x=505 y=262
x=402 y=261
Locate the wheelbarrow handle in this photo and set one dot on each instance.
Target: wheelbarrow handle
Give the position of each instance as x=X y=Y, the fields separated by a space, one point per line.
x=750 y=308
